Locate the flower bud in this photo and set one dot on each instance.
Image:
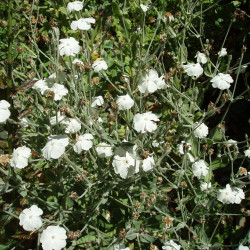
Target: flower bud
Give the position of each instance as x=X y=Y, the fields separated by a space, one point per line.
x=95 y=80
x=19 y=50
x=3 y=23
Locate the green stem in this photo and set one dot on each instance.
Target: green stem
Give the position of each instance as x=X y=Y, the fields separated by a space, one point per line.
x=9 y=71
x=9 y=213
x=10 y=43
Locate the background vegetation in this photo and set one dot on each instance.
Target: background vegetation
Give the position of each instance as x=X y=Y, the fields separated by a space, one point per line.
x=138 y=215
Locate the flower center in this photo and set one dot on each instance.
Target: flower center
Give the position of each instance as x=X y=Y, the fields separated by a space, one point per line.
x=126 y=161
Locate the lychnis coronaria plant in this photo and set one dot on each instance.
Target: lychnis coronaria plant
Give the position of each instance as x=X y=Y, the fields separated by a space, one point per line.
x=125 y=142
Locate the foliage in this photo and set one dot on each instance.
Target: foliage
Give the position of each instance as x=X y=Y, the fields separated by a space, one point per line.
x=82 y=192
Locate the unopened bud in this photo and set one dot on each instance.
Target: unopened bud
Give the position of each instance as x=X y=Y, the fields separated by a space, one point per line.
x=95 y=80
x=225 y=97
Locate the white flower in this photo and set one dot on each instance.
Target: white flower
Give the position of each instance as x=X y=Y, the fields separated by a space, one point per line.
x=222 y=81
x=168 y=17
x=205 y=186
x=69 y=46
x=73 y=126
x=239 y=195
x=55 y=147
x=247 y=153
x=125 y=166
x=53 y=237
x=180 y=147
x=41 y=86
x=30 y=218
x=193 y=69
x=150 y=82
x=76 y=76
x=125 y=102
x=4 y=110
x=145 y=122
x=148 y=163
x=74 y=6
x=104 y=150
x=57 y=119
x=201 y=131
x=97 y=101
x=20 y=157
x=155 y=143
x=84 y=142
x=226 y=195
x=59 y=91
x=241 y=247
x=100 y=120
x=171 y=245
x=144 y=8
x=77 y=61
x=222 y=52
x=99 y=65
x=120 y=247
x=82 y=23
x=200 y=169
x=201 y=57
x=24 y=122
x=231 y=142
x=161 y=83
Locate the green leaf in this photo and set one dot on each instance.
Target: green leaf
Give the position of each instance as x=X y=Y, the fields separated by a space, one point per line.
x=219 y=163
x=176 y=82
x=180 y=226
x=116 y=9
x=216 y=135
x=182 y=54
x=69 y=202
x=131 y=235
x=108 y=44
x=194 y=142
x=207 y=69
x=146 y=238
x=23 y=193
x=63 y=10
x=236 y=3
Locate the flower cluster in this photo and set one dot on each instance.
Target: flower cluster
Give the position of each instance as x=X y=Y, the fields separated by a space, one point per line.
x=114 y=134
x=48 y=85
x=53 y=237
